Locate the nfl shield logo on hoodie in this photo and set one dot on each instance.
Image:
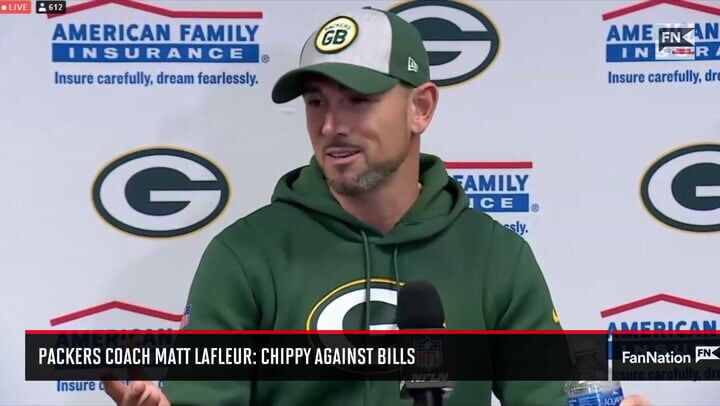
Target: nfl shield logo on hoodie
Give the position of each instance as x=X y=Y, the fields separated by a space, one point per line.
x=185 y=320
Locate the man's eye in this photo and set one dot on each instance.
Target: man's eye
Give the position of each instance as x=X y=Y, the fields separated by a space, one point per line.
x=313 y=102
x=360 y=100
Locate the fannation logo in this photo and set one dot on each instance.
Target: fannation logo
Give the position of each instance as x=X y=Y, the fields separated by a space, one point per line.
x=675 y=41
x=460 y=40
x=682 y=188
x=707 y=352
x=160 y=192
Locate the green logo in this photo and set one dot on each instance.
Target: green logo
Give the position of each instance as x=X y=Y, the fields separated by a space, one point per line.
x=682 y=188
x=336 y=35
x=160 y=192
x=461 y=41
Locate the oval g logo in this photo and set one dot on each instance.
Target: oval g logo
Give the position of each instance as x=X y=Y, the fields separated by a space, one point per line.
x=682 y=189
x=160 y=192
x=461 y=41
x=336 y=35
x=344 y=307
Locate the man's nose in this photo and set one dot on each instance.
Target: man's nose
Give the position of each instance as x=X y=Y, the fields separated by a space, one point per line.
x=334 y=121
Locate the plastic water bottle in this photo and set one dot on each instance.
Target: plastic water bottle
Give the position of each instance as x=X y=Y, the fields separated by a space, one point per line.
x=592 y=393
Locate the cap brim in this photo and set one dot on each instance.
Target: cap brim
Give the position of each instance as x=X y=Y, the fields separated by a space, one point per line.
x=358 y=78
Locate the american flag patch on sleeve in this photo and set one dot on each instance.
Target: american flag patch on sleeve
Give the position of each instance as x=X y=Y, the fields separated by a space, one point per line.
x=185 y=320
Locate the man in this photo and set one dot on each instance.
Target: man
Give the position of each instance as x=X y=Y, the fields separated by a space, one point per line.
x=368 y=213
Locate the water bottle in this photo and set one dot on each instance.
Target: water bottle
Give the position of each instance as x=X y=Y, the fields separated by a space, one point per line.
x=592 y=393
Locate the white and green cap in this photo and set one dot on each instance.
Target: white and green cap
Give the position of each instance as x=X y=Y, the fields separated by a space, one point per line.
x=367 y=50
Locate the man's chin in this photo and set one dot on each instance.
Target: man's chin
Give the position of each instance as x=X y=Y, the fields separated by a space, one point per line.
x=344 y=186
x=346 y=175
x=356 y=185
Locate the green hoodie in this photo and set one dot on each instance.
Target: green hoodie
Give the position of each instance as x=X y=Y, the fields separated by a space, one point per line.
x=285 y=267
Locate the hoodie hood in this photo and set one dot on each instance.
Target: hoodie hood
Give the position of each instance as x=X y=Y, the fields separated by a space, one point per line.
x=439 y=204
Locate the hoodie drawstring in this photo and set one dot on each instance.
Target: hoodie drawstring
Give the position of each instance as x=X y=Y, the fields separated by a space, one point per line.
x=368 y=273
x=367 y=279
x=366 y=392
x=395 y=268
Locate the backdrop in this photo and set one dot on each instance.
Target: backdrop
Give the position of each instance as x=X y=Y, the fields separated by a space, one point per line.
x=133 y=132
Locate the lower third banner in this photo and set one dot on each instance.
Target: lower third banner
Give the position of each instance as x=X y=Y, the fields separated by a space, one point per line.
x=347 y=355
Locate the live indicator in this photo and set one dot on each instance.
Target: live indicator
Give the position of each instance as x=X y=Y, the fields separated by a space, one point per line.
x=15 y=7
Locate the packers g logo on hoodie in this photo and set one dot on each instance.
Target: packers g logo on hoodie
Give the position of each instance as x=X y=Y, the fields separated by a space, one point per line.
x=344 y=307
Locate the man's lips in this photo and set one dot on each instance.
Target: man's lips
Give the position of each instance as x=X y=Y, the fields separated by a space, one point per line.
x=341 y=152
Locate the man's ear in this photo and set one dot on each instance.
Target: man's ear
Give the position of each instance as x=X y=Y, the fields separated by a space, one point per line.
x=424 y=100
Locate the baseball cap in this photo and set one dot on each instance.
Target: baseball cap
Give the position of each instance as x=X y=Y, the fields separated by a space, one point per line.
x=367 y=50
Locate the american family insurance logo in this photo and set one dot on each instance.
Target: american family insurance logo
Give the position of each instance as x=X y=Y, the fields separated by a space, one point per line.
x=112 y=33
x=690 y=33
x=113 y=305
x=499 y=188
x=132 y=310
x=636 y=316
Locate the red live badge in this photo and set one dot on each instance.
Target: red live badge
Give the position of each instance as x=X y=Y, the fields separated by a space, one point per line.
x=15 y=7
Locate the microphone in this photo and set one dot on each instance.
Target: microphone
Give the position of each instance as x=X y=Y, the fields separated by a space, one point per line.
x=419 y=308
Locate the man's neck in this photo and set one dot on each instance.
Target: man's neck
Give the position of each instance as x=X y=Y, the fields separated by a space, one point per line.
x=384 y=207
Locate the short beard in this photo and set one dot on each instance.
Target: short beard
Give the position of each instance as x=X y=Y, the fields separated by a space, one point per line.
x=367 y=181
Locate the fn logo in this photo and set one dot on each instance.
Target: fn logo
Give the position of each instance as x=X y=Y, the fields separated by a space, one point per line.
x=706 y=352
x=675 y=41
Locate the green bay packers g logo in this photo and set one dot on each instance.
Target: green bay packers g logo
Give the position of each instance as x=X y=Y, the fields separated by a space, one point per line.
x=344 y=307
x=336 y=35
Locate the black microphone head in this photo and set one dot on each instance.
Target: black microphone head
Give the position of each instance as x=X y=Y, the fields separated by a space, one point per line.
x=419 y=307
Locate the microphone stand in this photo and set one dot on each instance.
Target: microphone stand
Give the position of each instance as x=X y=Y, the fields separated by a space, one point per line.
x=431 y=398
x=426 y=393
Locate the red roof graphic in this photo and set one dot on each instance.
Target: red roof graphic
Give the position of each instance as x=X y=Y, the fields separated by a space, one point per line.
x=489 y=165
x=662 y=297
x=115 y=305
x=159 y=10
x=652 y=3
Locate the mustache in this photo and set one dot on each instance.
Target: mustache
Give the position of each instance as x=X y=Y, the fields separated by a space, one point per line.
x=342 y=144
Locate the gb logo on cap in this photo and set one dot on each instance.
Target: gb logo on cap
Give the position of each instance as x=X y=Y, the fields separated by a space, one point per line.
x=336 y=35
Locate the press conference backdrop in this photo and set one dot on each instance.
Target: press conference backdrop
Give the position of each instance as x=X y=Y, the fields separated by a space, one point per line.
x=126 y=149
